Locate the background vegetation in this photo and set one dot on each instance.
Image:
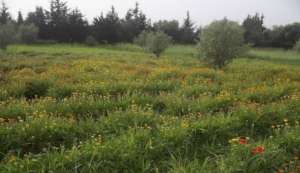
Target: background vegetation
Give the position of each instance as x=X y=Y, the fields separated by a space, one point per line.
x=60 y=23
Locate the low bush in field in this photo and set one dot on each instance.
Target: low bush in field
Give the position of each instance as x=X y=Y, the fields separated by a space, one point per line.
x=154 y=42
x=36 y=89
x=91 y=41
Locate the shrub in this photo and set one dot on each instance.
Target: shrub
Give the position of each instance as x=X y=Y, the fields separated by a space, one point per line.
x=91 y=41
x=141 y=40
x=297 y=46
x=28 y=34
x=36 y=88
x=154 y=42
x=7 y=35
x=221 y=41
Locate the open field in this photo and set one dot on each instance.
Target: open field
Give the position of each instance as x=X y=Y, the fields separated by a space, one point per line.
x=116 y=109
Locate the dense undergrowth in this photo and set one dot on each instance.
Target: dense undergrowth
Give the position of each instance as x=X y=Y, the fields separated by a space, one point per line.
x=116 y=109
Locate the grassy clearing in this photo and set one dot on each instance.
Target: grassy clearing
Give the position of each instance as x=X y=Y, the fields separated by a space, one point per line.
x=69 y=108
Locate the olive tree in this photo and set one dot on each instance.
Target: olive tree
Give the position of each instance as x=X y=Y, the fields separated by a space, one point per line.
x=28 y=33
x=297 y=46
x=220 y=42
x=7 y=35
x=91 y=41
x=154 y=42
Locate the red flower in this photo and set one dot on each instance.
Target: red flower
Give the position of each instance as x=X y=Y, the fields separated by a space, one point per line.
x=242 y=141
x=258 y=150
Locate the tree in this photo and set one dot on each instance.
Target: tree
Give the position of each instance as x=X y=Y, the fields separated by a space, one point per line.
x=297 y=46
x=188 y=35
x=58 y=20
x=141 y=40
x=7 y=35
x=91 y=41
x=134 y=23
x=291 y=34
x=108 y=29
x=28 y=33
x=282 y=36
x=154 y=42
x=171 y=28
x=20 y=19
x=39 y=19
x=78 y=27
x=254 y=29
x=221 y=41
x=4 y=14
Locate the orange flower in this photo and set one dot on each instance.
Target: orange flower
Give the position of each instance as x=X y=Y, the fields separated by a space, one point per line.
x=258 y=150
x=242 y=141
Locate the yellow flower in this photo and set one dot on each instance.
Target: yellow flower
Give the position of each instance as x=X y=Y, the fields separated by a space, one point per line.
x=2 y=120
x=12 y=158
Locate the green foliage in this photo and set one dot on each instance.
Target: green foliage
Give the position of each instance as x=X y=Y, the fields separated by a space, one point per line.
x=36 y=89
x=141 y=40
x=297 y=46
x=188 y=34
x=221 y=42
x=171 y=28
x=108 y=28
x=154 y=42
x=7 y=35
x=282 y=36
x=28 y=34
x=5 y=16
x=254 y=29
x=91 y=41
x=20 y=19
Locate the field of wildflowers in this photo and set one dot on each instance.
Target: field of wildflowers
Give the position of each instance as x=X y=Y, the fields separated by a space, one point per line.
x=69 y=108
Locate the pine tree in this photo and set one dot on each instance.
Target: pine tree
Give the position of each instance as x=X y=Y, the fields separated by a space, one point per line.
x=135 y=23
x=108 y=28
x=254 y=29
x=171 y=28
x=20 y=19
x=39 y=19
x=58 y=20
x=77 y=26
x=4 y=14
x=188 y=31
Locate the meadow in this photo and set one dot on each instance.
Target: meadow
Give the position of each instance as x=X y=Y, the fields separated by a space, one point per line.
x=76 y=109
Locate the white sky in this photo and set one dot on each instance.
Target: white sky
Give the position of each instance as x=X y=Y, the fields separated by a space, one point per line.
x=202 y=11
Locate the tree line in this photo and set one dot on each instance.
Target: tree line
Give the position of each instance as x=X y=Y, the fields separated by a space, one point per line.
x=60 y=23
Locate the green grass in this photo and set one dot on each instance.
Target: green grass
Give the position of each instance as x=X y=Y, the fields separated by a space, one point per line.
x=277 y=56
x=70 y=108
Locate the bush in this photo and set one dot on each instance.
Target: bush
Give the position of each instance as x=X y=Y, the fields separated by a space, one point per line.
x=154 y=42
x=28 y=34
x=7 y=35
x=297 y=46
x=91 y=41
x=36 y=89
x=141 y=40
x=221 y=41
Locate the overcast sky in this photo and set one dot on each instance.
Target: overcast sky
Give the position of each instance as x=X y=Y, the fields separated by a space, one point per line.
x=277 y=12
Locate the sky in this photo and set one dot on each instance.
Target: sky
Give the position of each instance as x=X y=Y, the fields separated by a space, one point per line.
x=202 y=12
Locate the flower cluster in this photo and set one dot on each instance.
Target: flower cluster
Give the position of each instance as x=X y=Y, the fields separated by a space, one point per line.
x=244 y=141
